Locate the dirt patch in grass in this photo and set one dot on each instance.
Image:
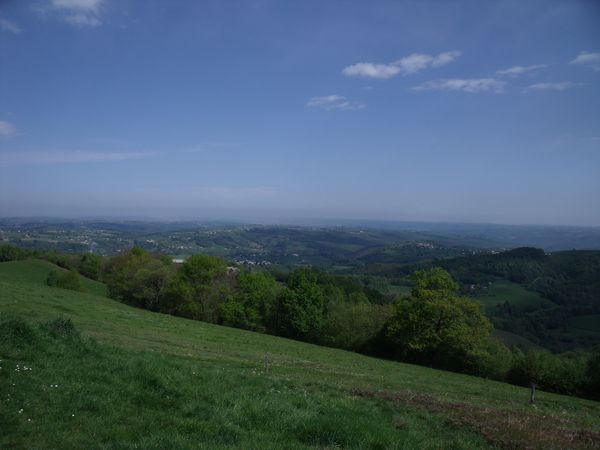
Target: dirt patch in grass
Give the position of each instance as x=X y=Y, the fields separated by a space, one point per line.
x=501 y=428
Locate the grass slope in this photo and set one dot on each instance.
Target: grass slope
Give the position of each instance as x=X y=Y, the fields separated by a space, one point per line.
x=154 y=381
x=36 y=271
x=505 y=291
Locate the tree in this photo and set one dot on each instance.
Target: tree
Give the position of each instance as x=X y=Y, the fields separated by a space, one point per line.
x=209 y=282
x=64 y=279
x=252 y=305
x=353 y=325
x=434 y=325
x=139 y=278
x=300 y=306
x=90 y=265
x=593 y=375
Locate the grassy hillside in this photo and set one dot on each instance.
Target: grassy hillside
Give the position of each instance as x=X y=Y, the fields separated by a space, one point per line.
x=504 y=291
x=36 y=271
x=153 y=381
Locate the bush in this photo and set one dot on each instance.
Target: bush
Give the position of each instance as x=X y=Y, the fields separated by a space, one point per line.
x=64 y=280
x=61 y=327
x=16 y=331
x=565 y=373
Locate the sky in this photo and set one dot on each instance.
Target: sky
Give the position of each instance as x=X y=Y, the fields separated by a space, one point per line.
x=266 y=111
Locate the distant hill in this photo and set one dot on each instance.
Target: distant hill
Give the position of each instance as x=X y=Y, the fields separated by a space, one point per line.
x=547 y=298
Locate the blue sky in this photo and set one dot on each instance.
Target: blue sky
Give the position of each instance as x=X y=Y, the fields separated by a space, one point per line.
x=468 y=111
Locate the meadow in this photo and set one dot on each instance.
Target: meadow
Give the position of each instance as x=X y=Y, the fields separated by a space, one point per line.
x=505 y=291
x=81 y=370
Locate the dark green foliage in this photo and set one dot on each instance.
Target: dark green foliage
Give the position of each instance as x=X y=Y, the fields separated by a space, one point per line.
x=592 y=375
x=434 y=325
x=11 y=253
x=301 y=306
x=353 y=326
x=90 y=265
x=564 y=373
x=253 y=305
x=568 y=283
x=138 y=278
x=64 y=279
x=205 y=285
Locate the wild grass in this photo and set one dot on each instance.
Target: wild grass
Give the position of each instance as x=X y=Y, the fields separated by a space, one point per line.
x=129 y=378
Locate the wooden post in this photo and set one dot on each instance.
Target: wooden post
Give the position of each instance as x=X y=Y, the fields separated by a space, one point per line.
x=266 y=362
x=532 y=395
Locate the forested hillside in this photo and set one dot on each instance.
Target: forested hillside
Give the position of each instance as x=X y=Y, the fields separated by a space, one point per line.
x=549 y=298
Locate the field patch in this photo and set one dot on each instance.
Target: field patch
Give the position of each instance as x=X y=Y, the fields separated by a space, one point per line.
x=503 y=291
x=36 y=271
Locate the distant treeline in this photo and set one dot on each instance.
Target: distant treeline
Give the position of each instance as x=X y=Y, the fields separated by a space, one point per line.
x=433 y=326
x=570 y=280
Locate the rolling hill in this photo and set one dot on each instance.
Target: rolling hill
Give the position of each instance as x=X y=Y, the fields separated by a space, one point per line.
x=128 y=378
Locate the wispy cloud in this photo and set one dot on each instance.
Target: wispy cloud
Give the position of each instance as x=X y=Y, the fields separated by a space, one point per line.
x=587 y=59
x=553 y=86
x=7 y=25
x=79 y=13
x=516 y=71
x=332 y=102
x=472 y=85
x=7 y=128
x=65 y=157
x=408 y=65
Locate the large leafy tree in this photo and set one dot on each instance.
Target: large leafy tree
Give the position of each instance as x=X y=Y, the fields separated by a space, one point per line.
x=434 y=325
x=301 y=306
x=139 y=278
x=252 y=305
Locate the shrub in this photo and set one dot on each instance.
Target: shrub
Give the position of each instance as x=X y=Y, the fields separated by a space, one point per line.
x=61 y=327
x=64 y=280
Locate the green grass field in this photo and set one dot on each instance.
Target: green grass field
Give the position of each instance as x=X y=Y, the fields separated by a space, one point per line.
x=137 y=379
x=512 y=339
x=504 y=291
x=36 y=271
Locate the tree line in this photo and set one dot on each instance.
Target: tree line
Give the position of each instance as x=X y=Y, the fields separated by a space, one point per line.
x=433 y=326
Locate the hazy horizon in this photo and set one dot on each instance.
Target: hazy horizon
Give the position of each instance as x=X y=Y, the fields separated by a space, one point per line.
x=266 y=111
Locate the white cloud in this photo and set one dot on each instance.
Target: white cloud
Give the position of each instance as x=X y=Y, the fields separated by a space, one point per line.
x=7 y=128
x=553 y=86
x=515 y=71
x=410 y=64
x=472 y=85
x=46 y=157
x=7 y=25
x=82 y=5
x=587 y=59
x=370 y=70
x=83 y=20
x=331 y=102
x=79 y=13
